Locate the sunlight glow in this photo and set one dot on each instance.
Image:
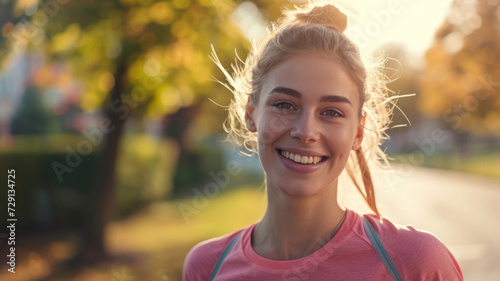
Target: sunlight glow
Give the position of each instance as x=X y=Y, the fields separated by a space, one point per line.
x=409 y=23
x=373 y=23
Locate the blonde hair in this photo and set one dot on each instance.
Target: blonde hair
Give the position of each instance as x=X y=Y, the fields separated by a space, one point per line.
x=312 y=29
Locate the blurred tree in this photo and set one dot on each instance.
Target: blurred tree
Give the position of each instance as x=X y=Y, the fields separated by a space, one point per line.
x=461 y=83
x=149 y=57
x=30 y=117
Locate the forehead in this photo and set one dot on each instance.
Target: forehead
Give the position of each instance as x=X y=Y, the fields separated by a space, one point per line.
x=312 y=75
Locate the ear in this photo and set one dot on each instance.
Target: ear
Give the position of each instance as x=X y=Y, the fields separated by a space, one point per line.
x=249 y=119
x=359 y=134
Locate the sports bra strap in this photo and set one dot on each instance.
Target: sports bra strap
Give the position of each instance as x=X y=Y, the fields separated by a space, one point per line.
x=228 y=249
x=380 y=249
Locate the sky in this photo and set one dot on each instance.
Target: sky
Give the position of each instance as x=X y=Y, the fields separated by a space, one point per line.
x=375 y=22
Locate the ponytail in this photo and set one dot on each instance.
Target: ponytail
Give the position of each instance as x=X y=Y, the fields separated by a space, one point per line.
x=369 y=191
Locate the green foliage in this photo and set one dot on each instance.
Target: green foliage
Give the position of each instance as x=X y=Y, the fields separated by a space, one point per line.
x=163 y=45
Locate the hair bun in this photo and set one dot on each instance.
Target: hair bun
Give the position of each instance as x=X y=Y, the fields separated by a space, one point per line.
x=327 y=15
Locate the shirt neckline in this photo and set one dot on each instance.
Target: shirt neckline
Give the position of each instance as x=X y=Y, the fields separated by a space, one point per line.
x=306 y=262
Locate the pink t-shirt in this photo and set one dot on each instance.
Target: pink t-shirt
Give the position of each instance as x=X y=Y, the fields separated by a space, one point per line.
x=349 y=255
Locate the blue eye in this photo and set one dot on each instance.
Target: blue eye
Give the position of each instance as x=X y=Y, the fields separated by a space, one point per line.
x=283 y=105
x=332 y=113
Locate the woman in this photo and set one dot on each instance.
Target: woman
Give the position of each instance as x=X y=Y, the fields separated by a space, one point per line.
x=302 y=102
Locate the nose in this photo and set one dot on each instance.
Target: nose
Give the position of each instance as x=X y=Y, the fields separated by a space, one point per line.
x=305 y=127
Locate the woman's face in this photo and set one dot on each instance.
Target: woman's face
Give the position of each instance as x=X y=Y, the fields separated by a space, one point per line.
x=307 y=122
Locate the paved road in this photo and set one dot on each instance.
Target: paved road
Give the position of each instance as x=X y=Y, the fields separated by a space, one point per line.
x=462 y=210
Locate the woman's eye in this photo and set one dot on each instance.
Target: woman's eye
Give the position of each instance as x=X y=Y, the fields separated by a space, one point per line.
x=332 y=113
x=283 y=105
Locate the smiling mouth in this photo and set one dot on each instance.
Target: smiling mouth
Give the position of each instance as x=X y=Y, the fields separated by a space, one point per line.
x=302 y=159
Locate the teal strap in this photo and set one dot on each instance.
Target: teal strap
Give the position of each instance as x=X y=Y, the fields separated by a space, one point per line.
x=228 y=249
x=381 y=251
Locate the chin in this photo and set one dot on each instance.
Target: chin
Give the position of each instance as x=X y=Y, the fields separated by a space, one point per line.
x=298 y=189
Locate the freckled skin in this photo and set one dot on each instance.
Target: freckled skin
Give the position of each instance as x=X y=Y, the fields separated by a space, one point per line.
x=329 y=128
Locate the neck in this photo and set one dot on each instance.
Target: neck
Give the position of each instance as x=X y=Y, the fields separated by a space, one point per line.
x=295 y=227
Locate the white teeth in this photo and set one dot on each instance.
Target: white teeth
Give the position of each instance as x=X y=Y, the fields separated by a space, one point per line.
x=304 y=159
x=301 y=159
x=297 y=158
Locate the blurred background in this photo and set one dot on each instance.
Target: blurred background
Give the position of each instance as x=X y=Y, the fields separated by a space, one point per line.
x=112 y=119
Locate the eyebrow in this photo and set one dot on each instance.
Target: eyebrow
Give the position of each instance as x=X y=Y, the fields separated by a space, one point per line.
x=297 y=94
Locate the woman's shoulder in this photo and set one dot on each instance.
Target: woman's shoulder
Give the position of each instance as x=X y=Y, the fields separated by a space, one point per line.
x=416 y=253
x=406 y=238
x=201 y=259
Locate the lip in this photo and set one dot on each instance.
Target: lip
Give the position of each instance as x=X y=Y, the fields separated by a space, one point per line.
x=298 y=167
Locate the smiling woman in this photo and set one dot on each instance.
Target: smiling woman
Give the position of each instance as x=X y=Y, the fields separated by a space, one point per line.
x=305 y=103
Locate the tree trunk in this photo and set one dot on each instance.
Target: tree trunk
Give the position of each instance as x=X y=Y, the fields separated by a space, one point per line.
x=102 y=198
x=177 y=128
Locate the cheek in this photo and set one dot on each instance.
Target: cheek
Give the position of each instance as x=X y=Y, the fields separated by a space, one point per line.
x=342 y=140
x=271 y=127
